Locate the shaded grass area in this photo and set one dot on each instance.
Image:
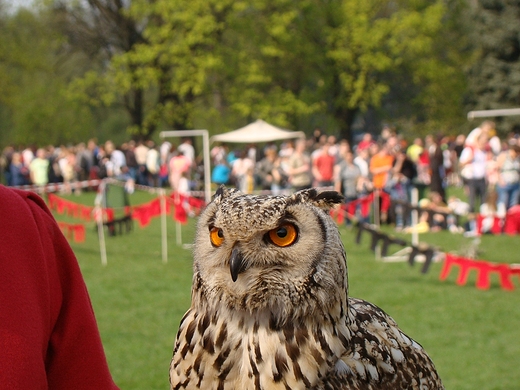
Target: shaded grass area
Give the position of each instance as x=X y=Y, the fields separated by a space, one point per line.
x=471 y=335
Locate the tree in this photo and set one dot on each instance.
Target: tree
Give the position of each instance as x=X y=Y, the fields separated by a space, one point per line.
x=390 y=51
x=427 y=91
x=102 y=31
x=494 y=77
x=180 y=54
x=333 y=57
x=33 y=76
x=220 y=63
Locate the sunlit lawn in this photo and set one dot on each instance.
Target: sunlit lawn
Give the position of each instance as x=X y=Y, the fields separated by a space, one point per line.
x=472 y=335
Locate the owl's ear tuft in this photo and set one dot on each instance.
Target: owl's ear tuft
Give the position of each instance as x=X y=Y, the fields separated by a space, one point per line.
x=224 y=192
x=322 y=199
x=221 y=193
x=330 y=197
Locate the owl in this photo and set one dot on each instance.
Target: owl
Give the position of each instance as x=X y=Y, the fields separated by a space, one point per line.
x=270 y=306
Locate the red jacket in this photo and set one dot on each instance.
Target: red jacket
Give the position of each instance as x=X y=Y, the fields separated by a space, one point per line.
x=48 y=333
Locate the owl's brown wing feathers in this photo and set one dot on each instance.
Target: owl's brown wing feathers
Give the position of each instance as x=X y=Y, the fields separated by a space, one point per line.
x=380 y=356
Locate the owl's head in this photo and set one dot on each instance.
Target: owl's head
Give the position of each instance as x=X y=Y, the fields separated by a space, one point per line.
x=277 y=253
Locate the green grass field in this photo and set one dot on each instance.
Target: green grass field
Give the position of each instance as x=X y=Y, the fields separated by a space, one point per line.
x=473 y=336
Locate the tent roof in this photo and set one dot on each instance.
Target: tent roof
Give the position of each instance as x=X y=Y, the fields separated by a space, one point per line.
x=255 y=132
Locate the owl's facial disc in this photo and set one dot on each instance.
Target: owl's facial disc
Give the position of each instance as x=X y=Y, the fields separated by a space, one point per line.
x=237 y=263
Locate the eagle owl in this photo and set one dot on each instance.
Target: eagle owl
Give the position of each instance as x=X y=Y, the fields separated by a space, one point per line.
x=270 y=306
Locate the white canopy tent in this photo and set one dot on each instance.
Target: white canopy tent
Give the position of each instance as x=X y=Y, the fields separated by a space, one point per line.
x=256 y=132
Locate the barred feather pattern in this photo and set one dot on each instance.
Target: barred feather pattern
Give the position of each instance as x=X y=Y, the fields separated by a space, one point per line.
x=286 y=321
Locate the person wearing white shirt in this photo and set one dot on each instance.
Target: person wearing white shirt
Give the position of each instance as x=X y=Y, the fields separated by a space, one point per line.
x=187 y=149
x=473 y=160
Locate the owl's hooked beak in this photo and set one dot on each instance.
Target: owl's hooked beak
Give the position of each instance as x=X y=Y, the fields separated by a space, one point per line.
x=237 y=263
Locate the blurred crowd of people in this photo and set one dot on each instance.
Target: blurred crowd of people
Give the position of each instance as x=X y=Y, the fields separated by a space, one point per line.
x=487 y=167
x=143 y=163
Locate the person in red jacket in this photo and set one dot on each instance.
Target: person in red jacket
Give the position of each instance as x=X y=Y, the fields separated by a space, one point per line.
x=49 y=337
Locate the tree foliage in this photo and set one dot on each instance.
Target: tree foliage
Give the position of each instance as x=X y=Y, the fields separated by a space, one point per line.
x=102 y=31
x=33 y=76
x=495 y=75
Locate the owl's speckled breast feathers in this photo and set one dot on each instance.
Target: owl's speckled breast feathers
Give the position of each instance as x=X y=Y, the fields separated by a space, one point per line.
x=270 y=309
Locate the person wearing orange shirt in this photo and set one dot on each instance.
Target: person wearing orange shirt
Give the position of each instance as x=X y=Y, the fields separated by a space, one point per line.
x=380 y=165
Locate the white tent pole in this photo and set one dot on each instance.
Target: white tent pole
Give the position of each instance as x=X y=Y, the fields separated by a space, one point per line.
x=98 y=212
x=207 y=168
x=178 y=234
x=99 y=215
x=164 y=233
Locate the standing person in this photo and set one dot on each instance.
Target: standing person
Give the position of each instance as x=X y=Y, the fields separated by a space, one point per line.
x=473 y=170
x=49 y=337
x=286 y=149
x=264 y=169
x=5 y=162
x=179 y=166
x=218 y=153
x=299 y=167
x=152 y=164
x=361 y=160
x=488 y=128
x=508 y=186
x=407 y=171
x=458 y=144
x=166 y=152
x=101 y=169
x=66 y=163
x=333 y=147
x=141 y=150
x=403 y=173
x=343 y=147
x=323 y=167
x=84 y=161
x=18 y=172
x=380 y=166
x=117 y=166
x=92 y=155
x=131 y=162
x=437 y=169
x=186 y=147
x=346 y=178
x=365 y=142
x=280 y=176
x=28 y=155
x=221 y=172
x=316 y=135
x=39 y=168
x=241 y=169
x=53 y=155
x=415 y=150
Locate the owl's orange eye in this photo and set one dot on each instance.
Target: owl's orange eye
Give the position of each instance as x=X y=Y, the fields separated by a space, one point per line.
x=216 y=235
x=283 y=235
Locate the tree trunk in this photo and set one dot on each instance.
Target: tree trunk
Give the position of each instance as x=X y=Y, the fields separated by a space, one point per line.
x=345 y=118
